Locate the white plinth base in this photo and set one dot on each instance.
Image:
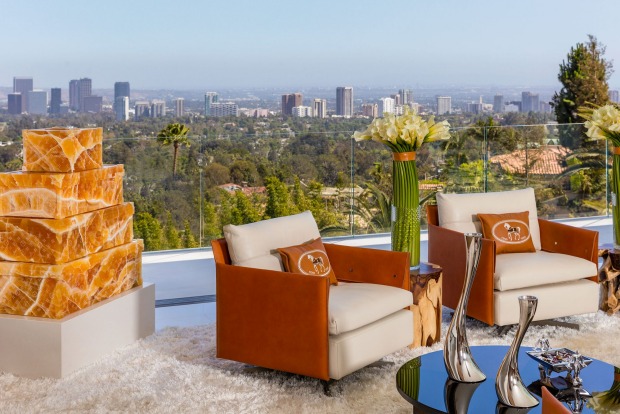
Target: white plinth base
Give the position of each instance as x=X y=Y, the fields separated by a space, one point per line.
x=38 y=347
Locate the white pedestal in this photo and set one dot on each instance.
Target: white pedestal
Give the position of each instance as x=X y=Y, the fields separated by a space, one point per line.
x=38 y=347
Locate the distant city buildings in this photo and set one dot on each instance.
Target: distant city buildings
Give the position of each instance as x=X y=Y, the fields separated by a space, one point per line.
x=91 y=104
x=142 y=109
x=85 y=89
x=15 y=103
x=37 y=102
x=614 y=96
x=158 y=108
x=303 y=111
x=22 y=86
x=530 y=102
x=121 y=108
x=179 y=107
x=210 y=99
x=498 y=104
x=290 y=101
x=79 y=90
x=55 y=101
x=319 y=108
x=224 y=109
x=397 y=99
x=474 y=107
x=370 y=110
x=513 y=106
x=74 y=97
x=545 y=107
x=444 y=105
x=406 y=96
x=386 y=105
x=344 y=101
x=122 y=89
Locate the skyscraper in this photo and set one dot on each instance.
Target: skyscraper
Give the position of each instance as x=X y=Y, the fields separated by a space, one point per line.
x=142 y=109
x=23 y=86
x=179 y=107
x=370 y=110
x=85 y=88
x=210 y=98
x=406 y=96
x=444 y=105
x=158 y=108
x=320 y=108
x=289 y=101
x=344 y=101
x=224 y=109
x=121 y=89
x=386 y=105
x=55 y=101
x=529 y=102
x=121 y=108
x=15 y=103
x=37 y=102
x=397 y=99
x=614 y=96
x=91 y=103
x=74 y=95
x=498 y=104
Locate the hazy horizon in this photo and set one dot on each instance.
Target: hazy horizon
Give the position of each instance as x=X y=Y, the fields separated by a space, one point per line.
x=207 y=45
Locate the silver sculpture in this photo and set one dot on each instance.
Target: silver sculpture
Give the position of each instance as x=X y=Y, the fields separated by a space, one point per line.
x=456 y=354
x=510 y=389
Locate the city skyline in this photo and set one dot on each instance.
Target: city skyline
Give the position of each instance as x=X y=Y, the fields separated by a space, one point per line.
x=246 y=45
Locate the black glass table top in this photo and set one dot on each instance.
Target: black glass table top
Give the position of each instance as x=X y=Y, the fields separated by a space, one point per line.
x=424 y=382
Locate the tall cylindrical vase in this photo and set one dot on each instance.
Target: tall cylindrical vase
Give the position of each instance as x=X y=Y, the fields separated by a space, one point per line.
x=406 y=206
x=456 y=353
x=508 y=385
x=615 y=203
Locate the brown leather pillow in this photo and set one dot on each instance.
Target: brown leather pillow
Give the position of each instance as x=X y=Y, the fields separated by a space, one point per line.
x=511 y=232
x=308 y=259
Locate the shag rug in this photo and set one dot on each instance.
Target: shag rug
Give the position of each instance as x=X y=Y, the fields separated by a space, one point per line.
x=176 y=371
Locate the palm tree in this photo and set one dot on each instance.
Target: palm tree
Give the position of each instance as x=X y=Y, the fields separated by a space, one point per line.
x=175 y=135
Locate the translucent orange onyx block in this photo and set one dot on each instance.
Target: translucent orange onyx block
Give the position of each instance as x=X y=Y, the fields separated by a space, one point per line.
x=62 y=149
x=54 y=291
x=59 y=195
x=62 y=240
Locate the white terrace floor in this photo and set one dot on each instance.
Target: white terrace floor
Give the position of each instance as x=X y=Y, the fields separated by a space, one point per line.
x=191 y=273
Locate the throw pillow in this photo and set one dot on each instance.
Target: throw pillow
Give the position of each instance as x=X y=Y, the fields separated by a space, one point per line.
x=308 y=259
x=511 y=232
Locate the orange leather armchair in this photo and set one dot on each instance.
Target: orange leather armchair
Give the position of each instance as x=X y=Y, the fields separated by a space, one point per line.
x=551 y=405
x=279 y=320
x=447 y=249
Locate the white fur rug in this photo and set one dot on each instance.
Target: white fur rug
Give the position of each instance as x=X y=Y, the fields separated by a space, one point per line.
x=176 y=371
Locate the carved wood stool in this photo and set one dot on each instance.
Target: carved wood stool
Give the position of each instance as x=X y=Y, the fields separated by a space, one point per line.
x=609 y=279
x=426 y=288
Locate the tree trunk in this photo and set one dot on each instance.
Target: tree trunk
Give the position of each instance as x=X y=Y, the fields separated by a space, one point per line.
x=174 y=160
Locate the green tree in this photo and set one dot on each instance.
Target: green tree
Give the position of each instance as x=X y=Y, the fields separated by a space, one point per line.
x=148 y=229
x=278 y=200
x=175 y=135
x=171 y=234
x=583 y=76
x=188 y=238
x=211 y=227
x=244 y=211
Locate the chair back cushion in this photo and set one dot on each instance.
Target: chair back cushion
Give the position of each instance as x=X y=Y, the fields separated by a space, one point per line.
x=255 y=244
x=459 y=212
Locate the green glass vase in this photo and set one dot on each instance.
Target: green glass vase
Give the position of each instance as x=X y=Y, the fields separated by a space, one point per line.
x=406 y=206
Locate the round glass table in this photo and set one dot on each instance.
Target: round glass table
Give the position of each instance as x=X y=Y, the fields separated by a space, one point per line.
x=423 y=382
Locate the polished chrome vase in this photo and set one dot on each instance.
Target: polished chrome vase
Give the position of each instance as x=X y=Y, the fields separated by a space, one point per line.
x=510 y=389
x=456 y=354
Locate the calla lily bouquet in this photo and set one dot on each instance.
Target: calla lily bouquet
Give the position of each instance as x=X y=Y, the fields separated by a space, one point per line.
x=406 y=132
x=602 y=122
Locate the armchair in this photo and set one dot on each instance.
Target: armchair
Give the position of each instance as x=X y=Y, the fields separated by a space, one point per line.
x=561 y=273
x=299 y=323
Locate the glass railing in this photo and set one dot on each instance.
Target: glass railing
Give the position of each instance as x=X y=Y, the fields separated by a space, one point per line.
x=237 y=178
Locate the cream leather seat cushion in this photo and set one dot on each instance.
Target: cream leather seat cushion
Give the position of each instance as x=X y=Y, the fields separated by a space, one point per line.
x=520 y=270
x=254 y=244
x=458 y=212
x=352 y=305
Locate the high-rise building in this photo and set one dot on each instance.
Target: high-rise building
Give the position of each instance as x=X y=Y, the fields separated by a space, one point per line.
x=545 y=107
x=142 y=109
x=224 y=109
x=179 y=107
x=397 y=99
x=15 y=103
x=319 y=108
x=92 y=104
x=344 y=101
x=121 y=89
x=74 y=95
x=530 y=102
x=614 y=96
x=210 y=99
x=23 y=85
x=444 y=105
x=406 y=96
x=386 y=105
x=371 y=110
x=158 y=108
x=121 y=108
x=290 y=101
x=55 y=101
x=474 y=107
x=303 y=111
x=85 y=88
x=37 y=102
x=498 y=104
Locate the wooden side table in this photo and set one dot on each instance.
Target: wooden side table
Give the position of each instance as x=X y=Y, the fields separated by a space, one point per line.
x=609 y=279
x=426 y=288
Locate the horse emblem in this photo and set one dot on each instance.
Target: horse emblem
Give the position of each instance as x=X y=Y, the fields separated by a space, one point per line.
x=514 y=233
x=314 y=263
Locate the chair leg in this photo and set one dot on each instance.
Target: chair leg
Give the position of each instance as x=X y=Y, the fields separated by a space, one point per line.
x=327 y=386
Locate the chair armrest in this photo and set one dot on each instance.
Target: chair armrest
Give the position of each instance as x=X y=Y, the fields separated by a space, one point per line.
x=273 y=319
x=574 y=241
x=358 y=264
x=446 y=248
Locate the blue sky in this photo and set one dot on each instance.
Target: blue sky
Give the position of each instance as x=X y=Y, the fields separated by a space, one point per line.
x=250 y=43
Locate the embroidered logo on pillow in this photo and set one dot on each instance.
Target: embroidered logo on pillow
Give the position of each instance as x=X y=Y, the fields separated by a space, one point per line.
x=511 y=231
x=308 y=259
